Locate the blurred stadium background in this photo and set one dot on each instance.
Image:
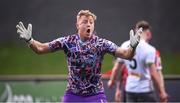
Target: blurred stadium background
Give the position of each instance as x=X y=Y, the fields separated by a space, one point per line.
x=25 y=75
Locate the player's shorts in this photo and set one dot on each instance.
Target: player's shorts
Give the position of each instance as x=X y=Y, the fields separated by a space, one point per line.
x=70 y=97
x=141 y=97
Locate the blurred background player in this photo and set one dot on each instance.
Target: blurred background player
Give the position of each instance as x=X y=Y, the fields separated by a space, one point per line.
x=142 y=69
x=120 y=80
x=84 y=52
x=122 y=73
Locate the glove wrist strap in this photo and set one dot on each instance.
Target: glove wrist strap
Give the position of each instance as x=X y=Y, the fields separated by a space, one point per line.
x=30 y=41
x=133 y=47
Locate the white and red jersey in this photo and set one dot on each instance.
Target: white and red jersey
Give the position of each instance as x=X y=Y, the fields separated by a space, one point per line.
x=139 y=78
x=158 y=60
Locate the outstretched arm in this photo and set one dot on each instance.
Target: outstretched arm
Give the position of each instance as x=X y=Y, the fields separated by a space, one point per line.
x=134 y=41
x=125 y=53
x=26 y=34
x=39 y=48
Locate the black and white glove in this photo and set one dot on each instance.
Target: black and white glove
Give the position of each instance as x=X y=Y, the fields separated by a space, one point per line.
x=135 y=38
x=25 y=34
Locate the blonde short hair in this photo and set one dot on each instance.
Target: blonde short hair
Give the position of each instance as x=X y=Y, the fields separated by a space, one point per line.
x=86 y=13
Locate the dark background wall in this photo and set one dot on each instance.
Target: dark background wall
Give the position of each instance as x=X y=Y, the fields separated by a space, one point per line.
x=54 y=18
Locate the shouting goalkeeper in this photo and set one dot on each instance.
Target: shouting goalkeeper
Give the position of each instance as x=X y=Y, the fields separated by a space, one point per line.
x=84 y=51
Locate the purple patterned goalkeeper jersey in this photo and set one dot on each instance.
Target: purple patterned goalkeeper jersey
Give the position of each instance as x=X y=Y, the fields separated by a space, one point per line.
x=84 y=61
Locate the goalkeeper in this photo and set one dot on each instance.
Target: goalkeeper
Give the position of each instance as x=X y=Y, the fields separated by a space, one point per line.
x=84 y=52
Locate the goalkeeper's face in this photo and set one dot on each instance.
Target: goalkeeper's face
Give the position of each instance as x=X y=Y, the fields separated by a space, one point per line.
x=85 y=26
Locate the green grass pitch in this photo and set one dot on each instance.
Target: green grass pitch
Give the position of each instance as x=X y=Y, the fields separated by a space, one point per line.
x=15 y=59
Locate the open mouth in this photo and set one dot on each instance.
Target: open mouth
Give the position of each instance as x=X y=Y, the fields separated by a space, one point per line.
x=88 y=30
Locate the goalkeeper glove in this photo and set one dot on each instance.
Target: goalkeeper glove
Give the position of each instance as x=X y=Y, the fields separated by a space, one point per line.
x=25 y=34
x=135 y=38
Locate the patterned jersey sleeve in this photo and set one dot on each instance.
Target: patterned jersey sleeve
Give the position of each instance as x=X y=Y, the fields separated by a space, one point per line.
x=109 y=46
x=57 y=44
